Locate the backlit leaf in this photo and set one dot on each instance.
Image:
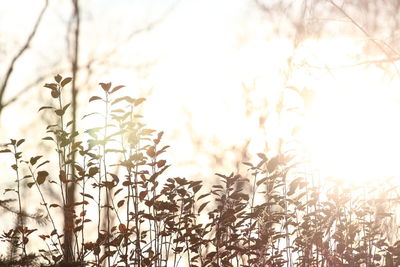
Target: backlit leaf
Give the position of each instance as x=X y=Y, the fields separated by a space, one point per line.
x=20 y=142
x=58 y=78
x=87 y=195
x=120 y=203
x=45 y=107
x=105 y=86
x=161 y=163
x=139 y=101
x=34 y=160
x=55 y=93
x=59 y=112
x=63 y=177
x=52 y=86
x=66 y=81
x=93 y=98
x=116 y=88
x=202 y=206
x=41 y=177
x=142 y=195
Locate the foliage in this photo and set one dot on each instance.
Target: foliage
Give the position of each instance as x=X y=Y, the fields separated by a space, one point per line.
x=139 y=217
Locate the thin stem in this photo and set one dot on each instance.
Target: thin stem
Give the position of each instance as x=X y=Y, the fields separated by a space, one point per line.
x=20 y=219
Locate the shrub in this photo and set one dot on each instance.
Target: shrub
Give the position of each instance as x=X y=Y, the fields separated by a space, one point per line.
x=119 y=209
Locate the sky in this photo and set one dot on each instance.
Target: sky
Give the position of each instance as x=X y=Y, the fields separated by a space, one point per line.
x=202 y=56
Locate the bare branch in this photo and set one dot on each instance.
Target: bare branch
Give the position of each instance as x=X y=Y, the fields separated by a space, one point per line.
x=20 y=53
x=368 y=35
x=25 y=90
x=134 y=33
x=366 y=62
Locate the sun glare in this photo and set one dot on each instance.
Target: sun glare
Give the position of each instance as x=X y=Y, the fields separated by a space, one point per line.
x=351 y=131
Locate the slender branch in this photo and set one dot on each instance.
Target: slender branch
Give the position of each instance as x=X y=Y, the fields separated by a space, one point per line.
x=368 y=35
x=134 y=33
x=26 y=89
x=20 y=53
x=357 y=64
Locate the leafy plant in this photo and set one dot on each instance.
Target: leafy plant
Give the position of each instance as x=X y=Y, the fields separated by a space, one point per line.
x=128 y=213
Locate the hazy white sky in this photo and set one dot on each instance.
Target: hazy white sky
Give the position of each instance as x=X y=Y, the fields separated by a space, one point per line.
x=204 y=51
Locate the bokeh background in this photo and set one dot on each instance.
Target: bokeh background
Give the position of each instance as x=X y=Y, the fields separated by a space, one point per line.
x=224 y=80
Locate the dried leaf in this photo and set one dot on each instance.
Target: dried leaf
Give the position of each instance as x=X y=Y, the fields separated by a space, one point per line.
x=202 y=206
x=66 y=81
x=20 y=142
x=116 y=88
x=41 y=177
x=58 y=78
x=34 y=160
x=105 y=86
x=93 y=98
x=120 y=203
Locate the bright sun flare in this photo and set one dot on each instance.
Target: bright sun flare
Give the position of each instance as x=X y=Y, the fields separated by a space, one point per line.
x=351 y=132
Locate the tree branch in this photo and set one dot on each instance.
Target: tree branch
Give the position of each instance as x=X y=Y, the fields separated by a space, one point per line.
x=369 y=36
x=20 y=53
x=357 y=64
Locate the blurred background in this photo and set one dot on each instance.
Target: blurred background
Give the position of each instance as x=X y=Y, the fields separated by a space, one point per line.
x=224 y=80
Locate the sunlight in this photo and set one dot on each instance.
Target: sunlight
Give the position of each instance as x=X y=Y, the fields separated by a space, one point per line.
x=351 y=131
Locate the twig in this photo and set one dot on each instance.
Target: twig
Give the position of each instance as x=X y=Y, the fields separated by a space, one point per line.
x=366 y=62
x=368 y=35
x=20 y=53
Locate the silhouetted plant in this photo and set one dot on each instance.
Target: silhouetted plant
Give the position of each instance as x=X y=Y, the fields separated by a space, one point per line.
x=128 y=213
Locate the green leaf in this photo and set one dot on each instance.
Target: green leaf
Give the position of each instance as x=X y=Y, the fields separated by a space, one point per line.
x=5 y=150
